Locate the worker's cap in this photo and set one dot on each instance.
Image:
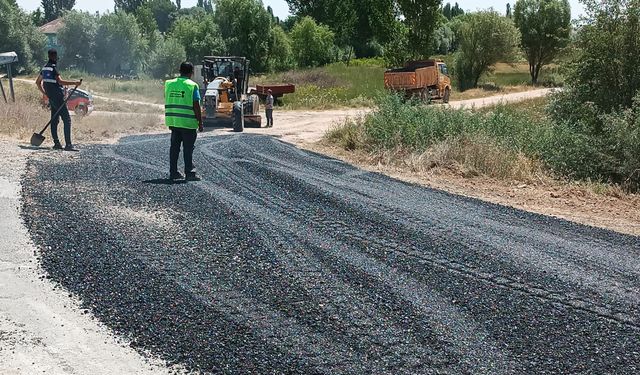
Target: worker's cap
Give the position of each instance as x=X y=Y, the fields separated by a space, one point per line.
x=269 y=90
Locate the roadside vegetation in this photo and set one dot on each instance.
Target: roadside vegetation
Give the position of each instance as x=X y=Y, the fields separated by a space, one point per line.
x=588 y=132
x=360 y=83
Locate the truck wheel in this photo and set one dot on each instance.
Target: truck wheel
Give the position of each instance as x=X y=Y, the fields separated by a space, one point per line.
x=447 y=94
x=424 y=95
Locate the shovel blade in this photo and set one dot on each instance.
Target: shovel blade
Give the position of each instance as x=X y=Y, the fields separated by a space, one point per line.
x=37 y=139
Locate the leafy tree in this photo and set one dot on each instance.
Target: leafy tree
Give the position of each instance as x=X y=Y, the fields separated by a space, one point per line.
x=451 y=12
x=146 y=20
x=128 y=5
x=274 y=20
x=396 y=53
x=508 y=12
x=119 y=45
x=312 y=43
x=354 y=22
x=162 y=11
x=545 y=26
x=167 y=58
x=246 y=26
x=289 y=22
x=485 y=39
x=17 y=33
x=280 y=50
x=207 y=5
x=422 y=18
x=455 y=24
x=178 y=4
x=200 y=36
x=55 y=8
x=600 y=105
x=78 y=37
x=37 y=17
x=443 y=40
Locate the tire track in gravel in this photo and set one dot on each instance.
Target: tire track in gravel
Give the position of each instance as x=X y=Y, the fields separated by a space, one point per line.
x=284 y=261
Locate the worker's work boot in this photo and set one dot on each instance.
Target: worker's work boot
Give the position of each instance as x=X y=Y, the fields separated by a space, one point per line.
x=57 y=145
x=176 y=176
x=70 y=148
x=193 y=177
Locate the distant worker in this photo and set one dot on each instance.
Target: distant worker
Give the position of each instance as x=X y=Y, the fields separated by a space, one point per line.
x=239 y=80
x=50 y=84
x=269 y=108
x=184 y=117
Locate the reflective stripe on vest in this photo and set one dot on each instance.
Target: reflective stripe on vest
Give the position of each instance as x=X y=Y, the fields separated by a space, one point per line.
x=178 y=110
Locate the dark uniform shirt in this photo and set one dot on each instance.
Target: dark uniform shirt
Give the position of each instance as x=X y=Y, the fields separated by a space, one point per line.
x=52 y=88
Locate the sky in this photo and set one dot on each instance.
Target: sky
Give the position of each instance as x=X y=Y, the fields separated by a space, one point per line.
x=281 y=9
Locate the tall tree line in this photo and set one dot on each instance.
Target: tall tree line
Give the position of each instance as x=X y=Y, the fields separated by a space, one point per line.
x=55 y=8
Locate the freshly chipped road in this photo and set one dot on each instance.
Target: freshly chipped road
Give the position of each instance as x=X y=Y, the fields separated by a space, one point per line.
x=284 y=261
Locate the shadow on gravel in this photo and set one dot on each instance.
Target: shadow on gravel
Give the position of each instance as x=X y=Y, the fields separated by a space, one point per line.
x=34 y=148
x=164 y=181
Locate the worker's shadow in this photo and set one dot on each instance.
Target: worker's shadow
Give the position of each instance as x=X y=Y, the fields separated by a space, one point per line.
x=164 y=181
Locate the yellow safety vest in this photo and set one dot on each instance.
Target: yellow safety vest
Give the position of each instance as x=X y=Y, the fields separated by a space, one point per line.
x=178 y=108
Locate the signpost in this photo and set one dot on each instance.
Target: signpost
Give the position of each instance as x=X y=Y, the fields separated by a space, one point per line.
x=2 y=88
x=7 y=59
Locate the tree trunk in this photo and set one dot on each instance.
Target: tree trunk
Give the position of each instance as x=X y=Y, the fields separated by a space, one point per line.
x=532 y=72
x=536 y=73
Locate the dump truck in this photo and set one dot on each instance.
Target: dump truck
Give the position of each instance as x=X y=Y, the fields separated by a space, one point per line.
x=426 y=80
x=226 y=101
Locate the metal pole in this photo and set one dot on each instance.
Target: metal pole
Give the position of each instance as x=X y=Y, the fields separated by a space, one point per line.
x=13 y=94
x=2 y=89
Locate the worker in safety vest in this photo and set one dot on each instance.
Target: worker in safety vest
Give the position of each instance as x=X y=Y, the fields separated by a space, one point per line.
x=184 y=117
x=50 y=84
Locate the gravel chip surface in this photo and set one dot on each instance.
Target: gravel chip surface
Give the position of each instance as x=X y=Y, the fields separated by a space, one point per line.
x=284 y=261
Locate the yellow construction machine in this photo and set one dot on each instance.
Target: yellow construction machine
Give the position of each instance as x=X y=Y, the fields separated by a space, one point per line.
x=226 y=99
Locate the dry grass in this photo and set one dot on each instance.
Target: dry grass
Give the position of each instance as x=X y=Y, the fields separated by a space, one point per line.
x=466 y=156
x=21 y=119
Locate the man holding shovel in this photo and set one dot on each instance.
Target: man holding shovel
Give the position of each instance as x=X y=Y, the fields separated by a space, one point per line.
x=50 y=84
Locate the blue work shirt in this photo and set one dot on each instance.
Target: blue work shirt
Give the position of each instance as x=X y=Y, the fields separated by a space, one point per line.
x=196 y=95
x=52 y=88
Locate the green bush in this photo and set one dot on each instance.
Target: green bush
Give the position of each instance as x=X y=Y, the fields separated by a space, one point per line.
x=485 y=39
x=395 y=124
x=280 y=52
x=596 y=145
x=166 y=60
x=200 y=36
x=597 y=113
x=313 y=44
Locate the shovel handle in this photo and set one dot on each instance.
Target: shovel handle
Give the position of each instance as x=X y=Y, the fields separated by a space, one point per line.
x=64 y=103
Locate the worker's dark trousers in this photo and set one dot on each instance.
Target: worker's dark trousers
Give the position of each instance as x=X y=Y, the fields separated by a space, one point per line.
x=66 y=119
x=269 y=115
x=186 y=138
